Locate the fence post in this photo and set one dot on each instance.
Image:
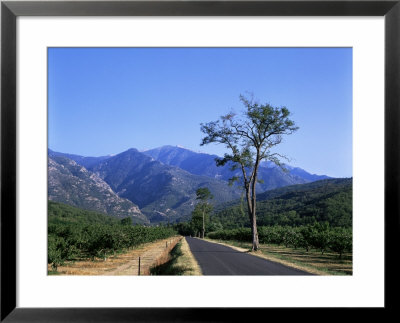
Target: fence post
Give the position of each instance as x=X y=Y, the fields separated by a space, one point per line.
x=139 y=267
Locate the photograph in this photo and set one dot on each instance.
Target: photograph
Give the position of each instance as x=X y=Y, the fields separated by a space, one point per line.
x=187 y=161
x=200 y=161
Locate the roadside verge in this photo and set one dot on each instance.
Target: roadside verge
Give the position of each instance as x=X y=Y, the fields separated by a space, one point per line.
x=180 y=262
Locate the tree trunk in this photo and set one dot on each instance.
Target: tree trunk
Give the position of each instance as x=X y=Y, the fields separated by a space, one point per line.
x=202 y=232
x=253 y=209
x=254 y=232
x=252 y=218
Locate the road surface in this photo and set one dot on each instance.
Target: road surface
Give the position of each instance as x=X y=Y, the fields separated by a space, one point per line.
x=216 y=259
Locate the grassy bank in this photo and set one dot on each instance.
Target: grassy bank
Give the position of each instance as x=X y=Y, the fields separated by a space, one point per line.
x=181 y=262
x=312 y=261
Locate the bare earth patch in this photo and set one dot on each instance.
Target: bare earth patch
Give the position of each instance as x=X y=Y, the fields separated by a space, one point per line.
x=127 y=263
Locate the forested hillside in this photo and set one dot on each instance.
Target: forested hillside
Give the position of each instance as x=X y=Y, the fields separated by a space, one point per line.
x=322 y=201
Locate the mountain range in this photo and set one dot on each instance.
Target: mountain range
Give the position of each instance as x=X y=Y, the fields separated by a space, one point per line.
x=204 y=164
x=157 y=185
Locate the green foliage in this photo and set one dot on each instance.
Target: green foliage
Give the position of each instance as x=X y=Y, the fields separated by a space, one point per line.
x=184 y=228
x=75 y=234
x=200 y=214
x=340 y=241
x=250 y=137
x=292 y=237
x=126 y=221
x=322 y=201
x=197 y=220
x=60 y=213
x=213 y=226
x=57 y=251
x=319 y=236
x=203 y=194
x=200 y=210
x=242 y=234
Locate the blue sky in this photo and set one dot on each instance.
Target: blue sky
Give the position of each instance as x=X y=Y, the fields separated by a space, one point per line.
x=106 y=100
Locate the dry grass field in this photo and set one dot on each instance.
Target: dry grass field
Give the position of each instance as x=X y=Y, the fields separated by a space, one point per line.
x=126 y=263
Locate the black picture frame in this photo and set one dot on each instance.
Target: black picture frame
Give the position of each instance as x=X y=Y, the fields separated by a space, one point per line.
x=10 y=10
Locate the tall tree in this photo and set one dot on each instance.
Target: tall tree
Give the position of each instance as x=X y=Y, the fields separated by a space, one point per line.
x=250 y=138
x=203 y=194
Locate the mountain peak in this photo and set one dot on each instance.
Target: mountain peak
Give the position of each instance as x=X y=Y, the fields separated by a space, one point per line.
x=130 y=150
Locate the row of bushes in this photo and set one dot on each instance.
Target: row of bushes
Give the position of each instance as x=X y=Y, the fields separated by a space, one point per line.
x=76 y=241
x=319 y=236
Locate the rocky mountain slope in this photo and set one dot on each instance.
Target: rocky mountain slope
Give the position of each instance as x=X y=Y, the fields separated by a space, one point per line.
x=73 y=184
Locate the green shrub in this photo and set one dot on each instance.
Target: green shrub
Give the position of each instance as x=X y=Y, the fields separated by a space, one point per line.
x=341 y=241
x=318 y=235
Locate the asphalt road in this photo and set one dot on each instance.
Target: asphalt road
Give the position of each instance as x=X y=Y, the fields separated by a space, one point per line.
x=215 y=259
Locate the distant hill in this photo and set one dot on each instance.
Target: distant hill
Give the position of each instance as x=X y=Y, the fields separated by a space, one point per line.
x=326 y=200
x=73 y=184
x=204 y=164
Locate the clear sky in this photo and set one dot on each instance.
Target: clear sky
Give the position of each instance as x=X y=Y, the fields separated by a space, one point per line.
x=104 y=101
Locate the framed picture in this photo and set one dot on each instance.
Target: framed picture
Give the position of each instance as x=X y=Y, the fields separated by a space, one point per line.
x=35 y=34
